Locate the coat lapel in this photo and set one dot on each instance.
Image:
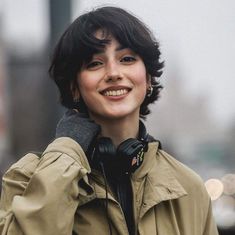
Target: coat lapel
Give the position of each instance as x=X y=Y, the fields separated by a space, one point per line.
x=160 y=183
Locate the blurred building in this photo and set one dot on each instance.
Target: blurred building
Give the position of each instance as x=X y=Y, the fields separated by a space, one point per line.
x=31 y=100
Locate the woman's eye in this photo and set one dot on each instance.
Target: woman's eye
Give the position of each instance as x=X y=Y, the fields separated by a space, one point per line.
x=128 y=59
x=93 y=64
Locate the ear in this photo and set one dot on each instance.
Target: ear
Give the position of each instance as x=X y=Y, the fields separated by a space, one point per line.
x=148 y=81
x=75 y=90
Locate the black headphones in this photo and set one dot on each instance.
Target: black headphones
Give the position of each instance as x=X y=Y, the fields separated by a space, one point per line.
x=124 y=159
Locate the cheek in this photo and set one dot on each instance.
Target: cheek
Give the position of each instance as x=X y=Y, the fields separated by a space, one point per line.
x=86 y=83
x=140 y=76
x=83 y=82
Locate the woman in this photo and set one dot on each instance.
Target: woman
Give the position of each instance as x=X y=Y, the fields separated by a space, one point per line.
x=103 y=174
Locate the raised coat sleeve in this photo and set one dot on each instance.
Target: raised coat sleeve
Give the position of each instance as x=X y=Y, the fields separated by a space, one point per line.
x=41 y=197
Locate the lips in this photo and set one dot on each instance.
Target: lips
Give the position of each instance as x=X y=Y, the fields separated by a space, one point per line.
x=115 y=91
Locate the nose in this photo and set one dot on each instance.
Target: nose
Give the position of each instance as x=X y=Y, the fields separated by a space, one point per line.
x=113 y=72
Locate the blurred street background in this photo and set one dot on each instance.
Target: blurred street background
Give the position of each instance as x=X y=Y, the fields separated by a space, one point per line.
x=195 y=117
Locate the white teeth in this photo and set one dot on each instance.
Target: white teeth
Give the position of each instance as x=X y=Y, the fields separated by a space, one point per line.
x=116 y=92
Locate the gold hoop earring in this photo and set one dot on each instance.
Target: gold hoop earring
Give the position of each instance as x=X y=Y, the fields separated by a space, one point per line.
x=150 y=91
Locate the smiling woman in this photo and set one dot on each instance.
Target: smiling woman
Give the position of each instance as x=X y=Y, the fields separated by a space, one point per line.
x=85 y=41
x=103 y=173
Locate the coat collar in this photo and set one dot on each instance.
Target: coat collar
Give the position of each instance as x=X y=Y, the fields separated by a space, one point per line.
x=160 y=182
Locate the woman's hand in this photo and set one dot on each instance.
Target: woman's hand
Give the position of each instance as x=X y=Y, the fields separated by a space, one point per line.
x=78 y=127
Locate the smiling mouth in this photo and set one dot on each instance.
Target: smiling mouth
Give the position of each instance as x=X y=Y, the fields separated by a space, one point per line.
x=118 y=92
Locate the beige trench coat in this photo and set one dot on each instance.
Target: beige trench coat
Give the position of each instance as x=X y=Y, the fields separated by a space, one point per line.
x=58 y=194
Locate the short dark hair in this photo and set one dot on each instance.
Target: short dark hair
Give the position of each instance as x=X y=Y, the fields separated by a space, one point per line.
x=78 y=44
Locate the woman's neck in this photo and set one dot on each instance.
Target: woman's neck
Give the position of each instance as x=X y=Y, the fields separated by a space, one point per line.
x=119 y=129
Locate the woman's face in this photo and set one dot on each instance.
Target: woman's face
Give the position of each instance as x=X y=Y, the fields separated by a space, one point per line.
x=113 y=84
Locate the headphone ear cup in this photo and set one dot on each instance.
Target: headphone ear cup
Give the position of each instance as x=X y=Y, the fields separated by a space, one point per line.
x=129 y=147
x=104 y=149
x=129 y=154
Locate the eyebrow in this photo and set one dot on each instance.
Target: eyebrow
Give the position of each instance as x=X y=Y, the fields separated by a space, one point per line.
x=119 y=48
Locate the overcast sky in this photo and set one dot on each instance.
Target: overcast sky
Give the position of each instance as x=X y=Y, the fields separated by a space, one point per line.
x=197 y=39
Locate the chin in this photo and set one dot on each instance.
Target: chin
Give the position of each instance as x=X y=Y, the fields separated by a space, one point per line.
x=115 y=112
x=120 y=114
